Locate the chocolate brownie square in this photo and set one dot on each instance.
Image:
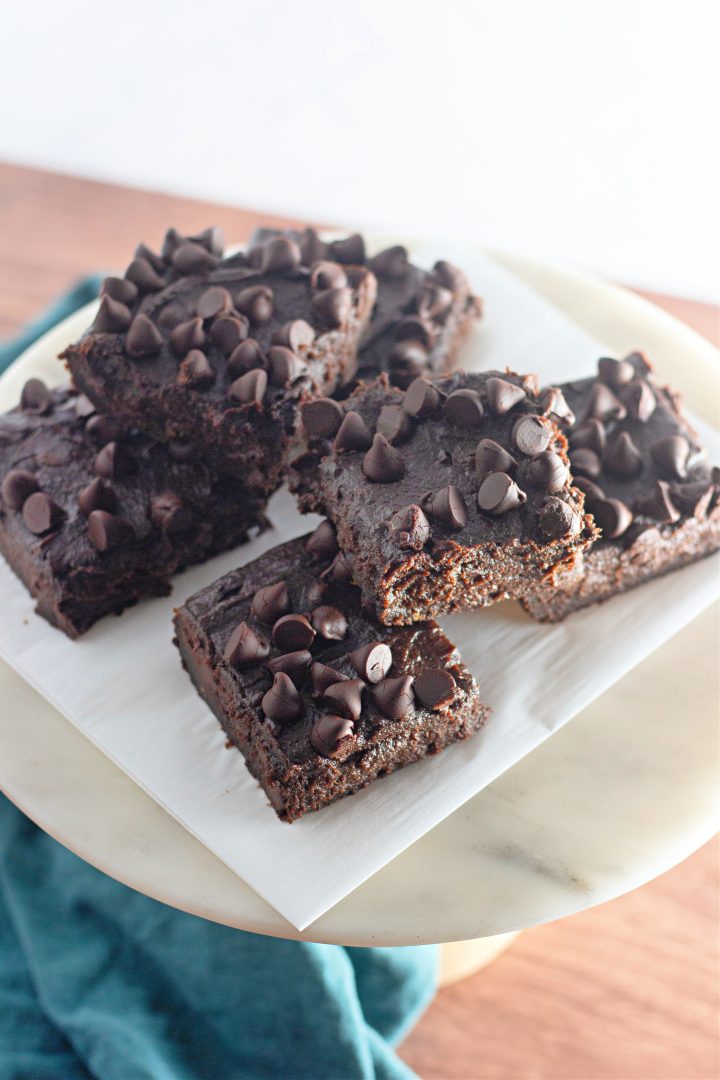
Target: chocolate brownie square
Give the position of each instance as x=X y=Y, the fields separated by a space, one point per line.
x=219 y=352
x=93 y=516
x=647 y=484
x=451 y=495
x=420 y=318
x=319 y=698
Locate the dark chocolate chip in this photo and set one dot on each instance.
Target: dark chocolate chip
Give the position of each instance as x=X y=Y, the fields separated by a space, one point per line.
x=615 y=373
x=435 y=688
x=322 y=543
x=407 y=358
x=98 y=495
x=108 y=531
x=612 y=516
x=312 y=248
x=585 y=463
x=693 y=500
x=604 y=405
x=499 y=493
x=558 y=519
x=382 y=464
x=35 y=397
x=112 y=460
x=282 y=703
x=394 y=697
x=212 y=238
x=329 y=622
x=144 y=276
x=249 y=388
x=324 y=676
x=104 y=428
x=448 y=275
x=292 y=632
x=591 y=490
x=390 y=263
x=409 y=528
x=192 y=258
x=351 y=249
x=17 y=486
x=142 y=251
x=295 y=335
x=639 y=400
x=589 y=436
x=321 y=418
x=285 y=366
x=169 y=513
x=333 y=737
x=395 y=424
x=332 y=307
x=246 y=356
x=227 y=332
x=435 y=302
x=421 y=399
x=464 y=409
x=548 y=471
x=532 y=435
x=372 y=661
x=112 y=316
x=671 y=456
x=213 y=302
x=622 y=457
x=279 y=255
x=195 y=370
x=126 y=292
x=172 y=240
x=270 y=602
x=256 y=301
x=245 y=647
x=658 y=504
x=328 y=275
x=187 y=335
x=346 y=697
x=84 y=407
x=555 y=405
x=339 y=570
x=491 y=457
x=447 y=506
x=503 y=395
x=296 y=665
x=143 y=338
x=353 y=433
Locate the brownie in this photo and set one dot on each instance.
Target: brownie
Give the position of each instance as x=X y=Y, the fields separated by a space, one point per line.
x=319 y=698
x=219 y=352
x=647 y=484
x=451 y=495
x=420 y=317
x=94 y=516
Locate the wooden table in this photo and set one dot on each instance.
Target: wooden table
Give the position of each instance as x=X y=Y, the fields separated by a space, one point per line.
x=626 y=991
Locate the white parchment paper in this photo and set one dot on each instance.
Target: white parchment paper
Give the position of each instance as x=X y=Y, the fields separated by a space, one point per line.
x=122 y=684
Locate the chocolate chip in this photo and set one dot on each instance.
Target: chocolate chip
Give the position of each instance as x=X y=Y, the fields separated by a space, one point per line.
x=394 y=697
x=249 y=388
x=227 y=332
x=615 y=373
x=491 y=457
x=17 y=486
x=279 y=255
x=328 y=275
x=295 y=665
x=499 y=493
x=104 y=428
x=464 y=409
x=557 y=518
x=312 y=248
x=282 y=703
x=112 y=461
x=503 y=395
x=333 y=737
x=35 y=397
x=295 y=335
x=270 y=602
x=372 y=661
x=390 y=263
x=321 y=418
x=693 y=499
x=192 y=258
x=382 y=464
x=409 y=528
x=246 y=357
x=142 y=251
x=212 y=238
x=245 y=647
x=346 y=697
x=589 y=436
x=143 y=338
x=285 y=366
x=187 y=335
x=671 y=456
x=351 y=249
x=555 y=405
x=98 y=495
x=292 y=632
x=394 y=423
x=144 y=276
x=604 y=405
x=195 y=370
x=407 y=359
x=421 y=399
x=332 y=307
x=322 y=543
x=612 y=516
x=435 y=688
x=329 y=622
x=112 y=316
x=591 y=491
x=435 y=302
x=622 y=457
x=339 y=570
x=414 y=328
x=548 y=471
x=214 y=301
x=172 y=240
x=585 y=463
x=447 y=506
x=84 y=407
x=658 y=504
x=108 y=531
x=532 y=435
x=448 y=275
x=324 y=676
x=169 y=513
x=256 y=301
x=639 y=400
x=126 y=292
x=353 y=434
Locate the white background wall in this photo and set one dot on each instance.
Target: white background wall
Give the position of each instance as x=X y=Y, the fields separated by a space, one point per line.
x=584 y=130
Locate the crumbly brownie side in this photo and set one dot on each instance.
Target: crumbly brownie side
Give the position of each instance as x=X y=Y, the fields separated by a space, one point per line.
x=94 y=517
x=319 y=698
x=452 y=495
x=218 y=353
x=647 y=484
x=420 y=318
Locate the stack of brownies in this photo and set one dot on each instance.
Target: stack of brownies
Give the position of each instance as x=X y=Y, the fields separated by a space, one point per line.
x=205 y=382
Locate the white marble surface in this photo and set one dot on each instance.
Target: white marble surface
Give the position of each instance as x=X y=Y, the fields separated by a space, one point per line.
x=625 y=791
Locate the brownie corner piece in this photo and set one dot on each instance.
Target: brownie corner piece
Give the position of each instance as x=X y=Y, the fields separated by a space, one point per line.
x=219 y=352
x=320 y=700
x=451 y=495
x=647 y=483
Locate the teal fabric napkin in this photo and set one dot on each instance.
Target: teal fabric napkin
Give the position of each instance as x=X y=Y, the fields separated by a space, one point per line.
x=97 y=980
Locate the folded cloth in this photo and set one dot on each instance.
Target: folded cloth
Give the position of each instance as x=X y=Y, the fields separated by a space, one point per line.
x=97 y=980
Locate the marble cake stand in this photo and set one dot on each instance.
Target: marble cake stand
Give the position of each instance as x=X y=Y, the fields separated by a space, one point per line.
x=618 y=796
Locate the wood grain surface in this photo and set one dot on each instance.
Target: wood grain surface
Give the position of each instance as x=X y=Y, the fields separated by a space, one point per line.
x=626 y=991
